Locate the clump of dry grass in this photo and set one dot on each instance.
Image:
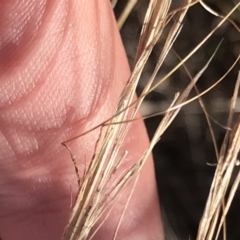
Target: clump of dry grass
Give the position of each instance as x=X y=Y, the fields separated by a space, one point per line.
x=95 y=195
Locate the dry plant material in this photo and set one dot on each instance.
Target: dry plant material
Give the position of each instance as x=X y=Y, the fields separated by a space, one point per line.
x=223 y=174
x=210 y=10
x=93 y=199
x=100 y=186
x=127 y=10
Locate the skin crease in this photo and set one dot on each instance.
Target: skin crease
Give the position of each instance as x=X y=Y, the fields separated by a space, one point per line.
x=62 y=70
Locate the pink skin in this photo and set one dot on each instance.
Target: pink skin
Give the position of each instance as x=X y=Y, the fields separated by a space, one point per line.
x=62 y=69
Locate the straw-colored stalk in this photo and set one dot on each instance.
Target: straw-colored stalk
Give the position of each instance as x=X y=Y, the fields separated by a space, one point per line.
x=95 y=197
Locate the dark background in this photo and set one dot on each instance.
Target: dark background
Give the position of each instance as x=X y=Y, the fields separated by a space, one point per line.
x=182 y=154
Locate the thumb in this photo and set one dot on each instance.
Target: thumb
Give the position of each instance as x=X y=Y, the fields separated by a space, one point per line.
x=63 y=69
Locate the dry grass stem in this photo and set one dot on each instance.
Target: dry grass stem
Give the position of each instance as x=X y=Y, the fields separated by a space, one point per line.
x=210 y=10
x=127 y=10
x=223 y=174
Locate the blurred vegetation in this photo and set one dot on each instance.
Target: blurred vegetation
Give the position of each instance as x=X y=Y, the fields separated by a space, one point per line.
x=182 y=154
